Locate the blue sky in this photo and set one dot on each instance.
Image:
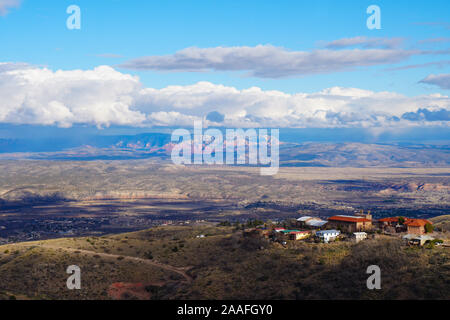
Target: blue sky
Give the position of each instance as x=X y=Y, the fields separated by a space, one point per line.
x=36 y=33
x=115 y=33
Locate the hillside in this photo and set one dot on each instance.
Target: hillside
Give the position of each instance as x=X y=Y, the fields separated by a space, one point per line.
x=173 y=263
x=442 y=222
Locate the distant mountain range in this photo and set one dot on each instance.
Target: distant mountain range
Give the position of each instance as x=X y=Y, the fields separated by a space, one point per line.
x=158 y=145
x=57 y=143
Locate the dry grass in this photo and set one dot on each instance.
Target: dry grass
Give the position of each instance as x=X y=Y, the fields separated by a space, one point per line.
x=224 y=265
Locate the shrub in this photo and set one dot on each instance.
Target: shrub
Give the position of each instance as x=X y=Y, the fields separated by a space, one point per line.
x=429 y=228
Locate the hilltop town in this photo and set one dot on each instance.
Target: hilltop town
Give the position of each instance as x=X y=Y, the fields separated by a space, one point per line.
x=355 y=228
x=301 y=258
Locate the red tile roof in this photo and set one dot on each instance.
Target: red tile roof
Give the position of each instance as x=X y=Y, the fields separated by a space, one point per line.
x=417 y=222
x=389 y=219
x=349 y=219
x=408 y=221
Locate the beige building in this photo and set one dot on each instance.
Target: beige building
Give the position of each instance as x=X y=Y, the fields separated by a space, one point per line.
x=350 y=224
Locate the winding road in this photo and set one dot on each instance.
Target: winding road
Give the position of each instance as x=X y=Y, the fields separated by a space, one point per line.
x=180 y=271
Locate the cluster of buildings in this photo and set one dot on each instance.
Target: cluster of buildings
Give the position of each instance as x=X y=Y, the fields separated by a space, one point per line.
x=416 y=229
x=355 y=227
x=401 y=224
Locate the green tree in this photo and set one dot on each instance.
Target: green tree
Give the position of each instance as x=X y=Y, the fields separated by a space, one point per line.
x=429 y=228
x=148 y=255
x=401 y=220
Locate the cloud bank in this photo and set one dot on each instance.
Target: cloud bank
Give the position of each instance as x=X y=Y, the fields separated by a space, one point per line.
x=266 y=61
x=104 y=96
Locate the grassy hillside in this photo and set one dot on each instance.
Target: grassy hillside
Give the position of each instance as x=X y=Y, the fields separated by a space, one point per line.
x=172 y=263
x=442 y=222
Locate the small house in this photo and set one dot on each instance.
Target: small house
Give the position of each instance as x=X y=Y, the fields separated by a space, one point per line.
x=359 y=236
x=417 y=240
x=298 y=235
x=292 y=235
x=416 y=226
x=327 y=235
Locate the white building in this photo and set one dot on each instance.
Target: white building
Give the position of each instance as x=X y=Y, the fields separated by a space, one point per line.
x=327 y=235
x=316 y=223
x=417 y=240
x=313 y=222
x=359 y=236
x=304 y=218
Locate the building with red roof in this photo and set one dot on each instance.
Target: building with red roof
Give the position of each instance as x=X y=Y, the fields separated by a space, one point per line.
x=417 y=226
x=389 y=220
x=402 y=224
x=350 y=223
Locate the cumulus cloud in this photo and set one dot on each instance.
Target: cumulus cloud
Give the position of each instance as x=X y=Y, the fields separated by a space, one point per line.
x=267 y=61
x=104 y=96
x=7 y=66
x=333 y=107
x=101 y=96
x=5 y=5
x=365 y=42
x=440 y=80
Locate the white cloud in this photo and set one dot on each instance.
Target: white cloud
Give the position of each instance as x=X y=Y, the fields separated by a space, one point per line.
x=104 y=96
x=5 y=5
x=441 y=80
x=101 y=96
x=365 y=42
x=333 y=107
x=267 y=61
